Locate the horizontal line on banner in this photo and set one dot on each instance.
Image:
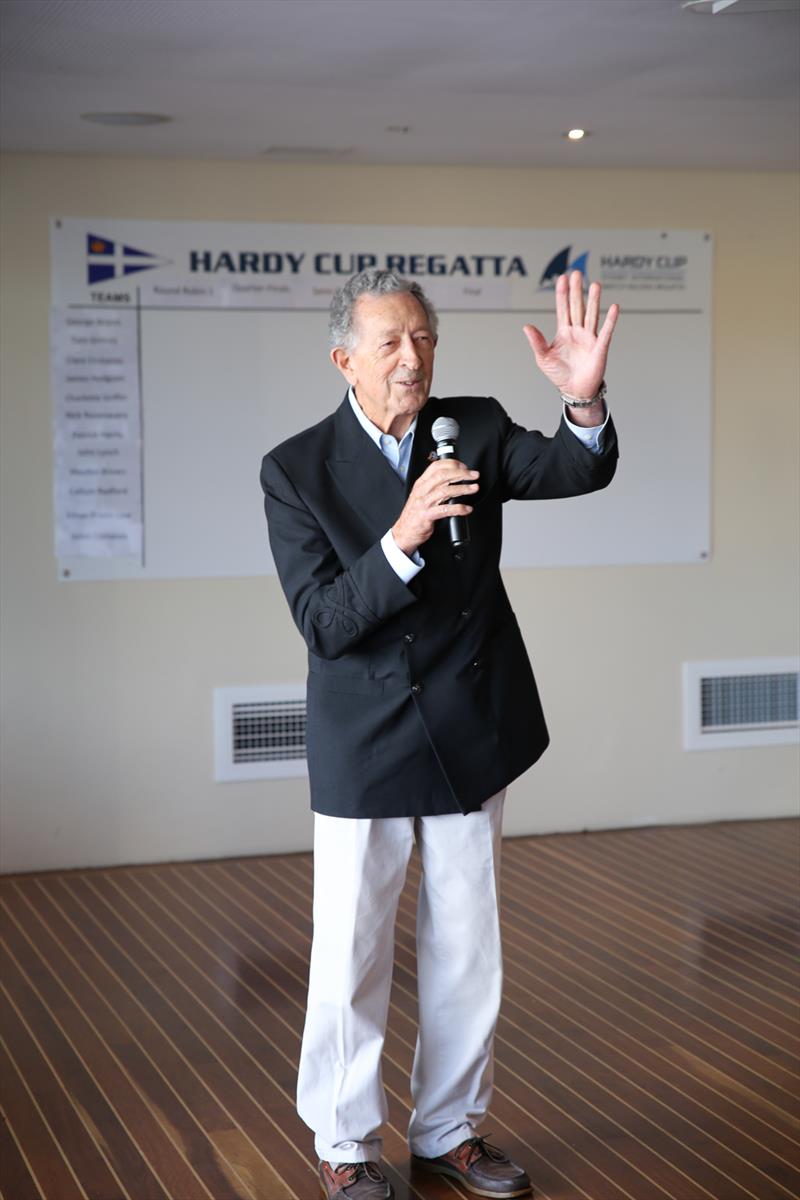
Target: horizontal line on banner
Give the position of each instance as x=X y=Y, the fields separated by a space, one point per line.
x=296 y=308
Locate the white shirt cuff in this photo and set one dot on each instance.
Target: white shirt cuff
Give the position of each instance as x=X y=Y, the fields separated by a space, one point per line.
x=591 y=436
x=403 y=566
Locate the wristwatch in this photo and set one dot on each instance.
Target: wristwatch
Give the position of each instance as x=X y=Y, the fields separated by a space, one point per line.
x=574 y=402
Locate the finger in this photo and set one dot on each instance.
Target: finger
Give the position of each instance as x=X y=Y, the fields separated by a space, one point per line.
x=592 y=308
x=562 y=304
x=452 y=491
x=448 y=465
x=444 y=493
x=442 y=473
x=576 y=309
x=433 y=474
x=604 y=336
x=449 y=510
x=455 y=467
x=437 y=490
x=538 y=342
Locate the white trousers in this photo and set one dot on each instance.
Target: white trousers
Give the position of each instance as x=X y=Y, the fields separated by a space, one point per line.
x=359 y=871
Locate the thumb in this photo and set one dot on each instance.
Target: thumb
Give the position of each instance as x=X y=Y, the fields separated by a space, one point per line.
x=538 y=342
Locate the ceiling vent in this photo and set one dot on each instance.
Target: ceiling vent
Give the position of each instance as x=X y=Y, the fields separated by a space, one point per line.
x=741 y=702
x=260 y=732
x=308 y=152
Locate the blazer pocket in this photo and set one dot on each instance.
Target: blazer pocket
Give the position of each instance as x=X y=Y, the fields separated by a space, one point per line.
x=353 y=686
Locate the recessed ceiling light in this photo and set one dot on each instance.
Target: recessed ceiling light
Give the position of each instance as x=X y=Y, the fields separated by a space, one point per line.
x=715 y=7
x=576 y=135
x=125 y=118
x=709 y=6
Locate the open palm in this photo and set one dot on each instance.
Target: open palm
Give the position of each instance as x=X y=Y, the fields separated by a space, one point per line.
x=575 y=360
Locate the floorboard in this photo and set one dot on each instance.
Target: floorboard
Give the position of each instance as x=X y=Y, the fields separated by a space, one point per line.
x=648 y=1046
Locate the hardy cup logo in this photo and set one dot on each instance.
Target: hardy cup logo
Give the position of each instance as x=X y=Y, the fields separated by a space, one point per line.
x=112 y=260
x=559 y=265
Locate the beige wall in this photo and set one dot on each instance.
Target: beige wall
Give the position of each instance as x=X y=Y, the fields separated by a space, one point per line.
x=107 y=751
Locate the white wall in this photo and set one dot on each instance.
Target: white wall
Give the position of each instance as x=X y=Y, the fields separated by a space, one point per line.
x=107 y=751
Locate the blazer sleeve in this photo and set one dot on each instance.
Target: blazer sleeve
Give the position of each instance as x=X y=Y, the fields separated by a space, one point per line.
x=535 y=467
x=334 y=607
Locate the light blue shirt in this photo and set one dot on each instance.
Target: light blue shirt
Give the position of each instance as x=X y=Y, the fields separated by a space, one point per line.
x=398 y=455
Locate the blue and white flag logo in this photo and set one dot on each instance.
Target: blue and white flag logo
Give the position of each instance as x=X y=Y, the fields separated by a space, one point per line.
x=560 y=265
x=112 y=260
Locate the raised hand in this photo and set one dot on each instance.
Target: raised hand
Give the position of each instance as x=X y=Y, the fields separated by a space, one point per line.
x=575 y=360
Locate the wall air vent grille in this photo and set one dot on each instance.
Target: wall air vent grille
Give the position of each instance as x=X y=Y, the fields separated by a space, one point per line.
x=269 y=731
x=741 y=702
x=260 y=732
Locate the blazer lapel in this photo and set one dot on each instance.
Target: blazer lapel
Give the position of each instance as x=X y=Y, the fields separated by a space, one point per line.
x=423 y=443
x=363 y=476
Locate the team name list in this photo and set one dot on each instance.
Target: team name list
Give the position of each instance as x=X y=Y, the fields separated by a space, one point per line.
x=98 y=439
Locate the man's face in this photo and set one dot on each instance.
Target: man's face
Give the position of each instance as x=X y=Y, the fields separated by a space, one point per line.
x=391 y=364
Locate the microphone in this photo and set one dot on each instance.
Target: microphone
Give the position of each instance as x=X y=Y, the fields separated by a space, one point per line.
x=445 y=432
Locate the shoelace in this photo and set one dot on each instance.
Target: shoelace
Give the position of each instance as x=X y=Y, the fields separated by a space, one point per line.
x=479 y=1146
x=360 y=1170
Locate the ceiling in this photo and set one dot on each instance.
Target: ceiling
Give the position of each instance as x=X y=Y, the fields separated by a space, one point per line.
x=478 y=82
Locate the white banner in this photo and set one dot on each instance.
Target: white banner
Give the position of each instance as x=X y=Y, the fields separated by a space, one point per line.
x=183 y=350
x=206 y=264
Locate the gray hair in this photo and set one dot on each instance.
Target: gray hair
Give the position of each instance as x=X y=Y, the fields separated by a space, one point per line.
x=373 y=282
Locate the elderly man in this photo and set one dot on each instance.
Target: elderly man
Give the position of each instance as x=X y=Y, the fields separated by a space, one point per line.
x=422 y=708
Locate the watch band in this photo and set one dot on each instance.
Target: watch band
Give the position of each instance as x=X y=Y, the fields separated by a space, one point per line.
x=574 y=402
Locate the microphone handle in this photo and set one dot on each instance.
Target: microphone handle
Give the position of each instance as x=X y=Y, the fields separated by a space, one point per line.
x=457 y=527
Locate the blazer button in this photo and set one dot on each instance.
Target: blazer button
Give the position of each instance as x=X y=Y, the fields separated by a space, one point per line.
x=416 y=688
x=477 y=664
x=466 y=613
x=408 y=638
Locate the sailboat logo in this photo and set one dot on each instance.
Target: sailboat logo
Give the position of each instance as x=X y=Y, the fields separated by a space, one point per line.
x=113 y=260
x=559 y=265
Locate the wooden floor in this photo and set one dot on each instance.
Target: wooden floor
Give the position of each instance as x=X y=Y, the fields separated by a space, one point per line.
x=151 y=1021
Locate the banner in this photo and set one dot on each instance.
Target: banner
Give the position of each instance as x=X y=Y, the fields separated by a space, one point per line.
x=205 y=264
x=175 y=343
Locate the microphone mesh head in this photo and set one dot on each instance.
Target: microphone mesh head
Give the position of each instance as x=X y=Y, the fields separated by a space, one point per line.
x=445 y=429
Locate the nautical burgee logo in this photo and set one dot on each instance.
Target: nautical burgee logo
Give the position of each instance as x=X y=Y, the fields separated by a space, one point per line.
x=112 y=260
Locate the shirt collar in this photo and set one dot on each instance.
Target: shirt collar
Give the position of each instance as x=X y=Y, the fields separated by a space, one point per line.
x=369 y=427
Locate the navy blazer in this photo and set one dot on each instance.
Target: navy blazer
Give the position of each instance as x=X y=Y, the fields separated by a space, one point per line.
x=421 y=698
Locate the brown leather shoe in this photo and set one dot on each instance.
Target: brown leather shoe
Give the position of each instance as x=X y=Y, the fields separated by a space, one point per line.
x=354 y=1181
x=481 y=1168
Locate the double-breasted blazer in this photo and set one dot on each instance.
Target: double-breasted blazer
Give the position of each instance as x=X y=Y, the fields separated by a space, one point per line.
x=421 y=698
